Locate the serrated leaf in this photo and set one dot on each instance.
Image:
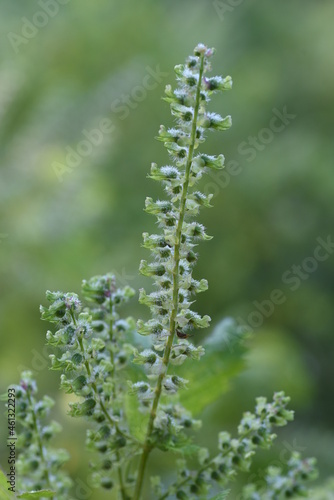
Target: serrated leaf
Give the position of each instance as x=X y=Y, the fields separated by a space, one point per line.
x=137 y=421
x=4 y=493
x=210 y=380
x=210 y=377
x=37 y=494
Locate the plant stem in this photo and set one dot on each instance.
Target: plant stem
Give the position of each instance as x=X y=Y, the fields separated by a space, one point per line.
x=148 y=446
x=103 y=408
x=39 y=442
x=187 y=479
x=118 y=456
x=120 y=480
x=202 y=469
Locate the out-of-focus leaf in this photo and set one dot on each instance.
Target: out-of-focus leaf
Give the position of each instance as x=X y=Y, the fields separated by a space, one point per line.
x=223 y=359
x=137 y=421
x=32 y=495
x=4 y=493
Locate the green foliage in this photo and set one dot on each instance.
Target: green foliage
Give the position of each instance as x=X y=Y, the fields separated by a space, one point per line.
x=236 y=455
x=288 y=484
x=4 y=493
x=93 y=355
x=224 y=358
x=39 y=465
x=174 y=256
x=31 y=495
x=113 y=380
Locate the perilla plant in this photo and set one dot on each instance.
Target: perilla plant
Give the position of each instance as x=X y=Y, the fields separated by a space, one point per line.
x=130 y=390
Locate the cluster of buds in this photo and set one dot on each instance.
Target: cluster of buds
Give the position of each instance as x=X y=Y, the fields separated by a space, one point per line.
x=174 y=249
x=235 y=455
x=188 y=104
x=255 y=430
x=94 y=348
x=174 y=254
x=39 y=466
x=179 y=233
x=284 y=484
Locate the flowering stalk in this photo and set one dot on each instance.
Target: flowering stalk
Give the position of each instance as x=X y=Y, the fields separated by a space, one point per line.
x=39 y=465
x=235 y=455
x=94 y=355
x=284 y=484
x=176 y=245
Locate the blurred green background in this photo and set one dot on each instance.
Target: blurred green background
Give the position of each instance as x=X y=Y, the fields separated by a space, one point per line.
x=69 y=68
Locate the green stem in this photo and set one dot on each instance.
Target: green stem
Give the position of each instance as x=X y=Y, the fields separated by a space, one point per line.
x=98 y=397
x=118 y=456
x=187 y=479
x=165 y=360
x=102 y=406
x=111 y=337
x=202 y=469
x=120 y=480
x=110 y=420
x=39 y=443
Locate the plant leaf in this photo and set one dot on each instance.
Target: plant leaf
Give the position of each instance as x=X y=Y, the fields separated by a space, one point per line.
x=37 y=494
x=4 y=493
x=137 y=421
x=211 y=376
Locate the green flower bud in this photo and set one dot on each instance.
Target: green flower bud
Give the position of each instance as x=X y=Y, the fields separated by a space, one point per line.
x=218 y=83
x=99 y=417
x=81 y=409
x=224 y=440
x=77 y=358
x=215 y=475
x=101 y=447
x=107 y=464
x=154 y=269
x=107 y=483
x=215 y=121
x=166 y=173
x=181 y=495
x=34 y=464
x=194 y=488
x=79 y=383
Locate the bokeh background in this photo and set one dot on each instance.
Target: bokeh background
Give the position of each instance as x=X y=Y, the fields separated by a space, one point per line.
x=63 y=72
